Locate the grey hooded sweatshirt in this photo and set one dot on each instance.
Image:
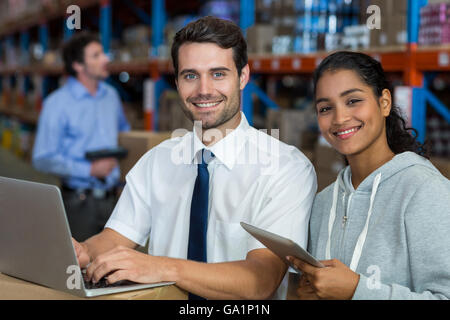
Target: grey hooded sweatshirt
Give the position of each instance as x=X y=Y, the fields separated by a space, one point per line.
x=393 y=230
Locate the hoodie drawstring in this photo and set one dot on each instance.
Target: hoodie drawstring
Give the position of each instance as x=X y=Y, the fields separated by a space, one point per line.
x=332 y=217
x=362 y=237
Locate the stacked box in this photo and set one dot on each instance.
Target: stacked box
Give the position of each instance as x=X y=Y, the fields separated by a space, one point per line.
x=293 y=126
x=307 y=26
x=356 y=37
x=443 y=165
x=327 y=163
x=136 y=41
x=393 y=24
x=138 y=143
x=259 y=38
x=435 y=24
x=16 y=9
x=263 y=11
x=438 y=1
x=225 y=9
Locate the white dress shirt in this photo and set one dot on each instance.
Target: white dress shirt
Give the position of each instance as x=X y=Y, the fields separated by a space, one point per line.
x=254 y=178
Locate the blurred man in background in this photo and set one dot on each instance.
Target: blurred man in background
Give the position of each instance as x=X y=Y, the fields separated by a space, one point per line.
x=85 y=114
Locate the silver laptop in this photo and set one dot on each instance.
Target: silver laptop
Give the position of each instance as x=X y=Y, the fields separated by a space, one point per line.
x=36 y=243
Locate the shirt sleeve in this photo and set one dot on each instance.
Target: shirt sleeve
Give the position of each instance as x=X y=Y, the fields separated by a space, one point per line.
x=132 y=215
x=47 y=156
x=287 y=205
x=427 y=223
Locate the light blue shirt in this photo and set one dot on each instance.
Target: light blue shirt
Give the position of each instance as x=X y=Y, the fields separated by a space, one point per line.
x=73 y=122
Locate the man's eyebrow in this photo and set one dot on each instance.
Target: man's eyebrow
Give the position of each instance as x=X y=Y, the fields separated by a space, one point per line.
x=343 y=94
x=184 y=71
x=220 y=69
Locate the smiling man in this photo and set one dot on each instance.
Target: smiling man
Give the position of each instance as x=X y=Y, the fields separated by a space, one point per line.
x=188 y=195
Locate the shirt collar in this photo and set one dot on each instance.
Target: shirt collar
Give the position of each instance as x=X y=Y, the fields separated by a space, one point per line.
x=225 y=150
x=79 y=90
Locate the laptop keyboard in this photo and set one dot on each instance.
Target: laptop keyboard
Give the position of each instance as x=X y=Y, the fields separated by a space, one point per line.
x=104 y=284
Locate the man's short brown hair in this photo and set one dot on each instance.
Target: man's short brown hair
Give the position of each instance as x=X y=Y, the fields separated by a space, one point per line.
x=73 y=50
x=224 y=33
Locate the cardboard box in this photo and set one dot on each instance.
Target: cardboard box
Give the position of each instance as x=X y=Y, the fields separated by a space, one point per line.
x=397 y=30
x=325 y=178
x=400 y=7
x=15 y=289
x=308 y=140
x=259 y=38
x=138 y=143
x=375 y=38
x=138 y=34
x=309 y=154
x=327 y=158
x=290 y=123
x=443 y=165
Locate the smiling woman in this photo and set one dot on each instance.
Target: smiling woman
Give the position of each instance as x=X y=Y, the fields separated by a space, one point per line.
x=351 y=117
x=359 y=81
x=388 y=210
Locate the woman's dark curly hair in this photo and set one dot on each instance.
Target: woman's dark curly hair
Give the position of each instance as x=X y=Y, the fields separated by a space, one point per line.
x=371 y=72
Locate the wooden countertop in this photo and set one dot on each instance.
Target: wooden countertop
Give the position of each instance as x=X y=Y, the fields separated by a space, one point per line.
x=16 y=289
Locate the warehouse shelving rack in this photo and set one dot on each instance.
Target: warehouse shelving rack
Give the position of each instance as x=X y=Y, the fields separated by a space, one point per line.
x=415 y=63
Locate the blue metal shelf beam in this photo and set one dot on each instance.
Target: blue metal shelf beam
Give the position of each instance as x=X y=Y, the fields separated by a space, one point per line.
x=413 y=20
x=421 y=95
x=106 y=25
x=158 y=23
x=246 y=14
x=247 y=104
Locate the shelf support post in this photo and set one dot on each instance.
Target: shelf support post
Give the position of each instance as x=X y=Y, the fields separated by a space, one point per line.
x=412 y=76
x=105 y=24
x=158 y=22
x=246 y=14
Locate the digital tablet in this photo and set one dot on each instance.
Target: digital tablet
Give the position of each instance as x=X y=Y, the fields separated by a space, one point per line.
x=282 y=247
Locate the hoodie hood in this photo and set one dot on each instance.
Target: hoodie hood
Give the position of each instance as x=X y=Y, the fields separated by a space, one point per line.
x=399 y=163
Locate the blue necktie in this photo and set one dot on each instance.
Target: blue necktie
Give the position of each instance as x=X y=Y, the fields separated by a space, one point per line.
x=199 y=216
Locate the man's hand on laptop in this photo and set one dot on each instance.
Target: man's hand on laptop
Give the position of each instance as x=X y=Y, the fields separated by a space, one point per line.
x=122 y=263
x=82 y=254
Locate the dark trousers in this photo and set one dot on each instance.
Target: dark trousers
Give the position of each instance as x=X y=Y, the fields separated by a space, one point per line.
x=86 y=214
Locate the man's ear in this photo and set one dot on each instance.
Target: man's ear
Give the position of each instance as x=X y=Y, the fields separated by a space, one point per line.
x=245 y=77
x=386 y=102
x=78 y=67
